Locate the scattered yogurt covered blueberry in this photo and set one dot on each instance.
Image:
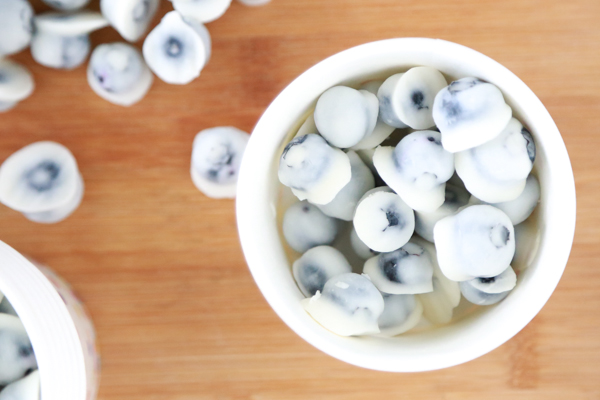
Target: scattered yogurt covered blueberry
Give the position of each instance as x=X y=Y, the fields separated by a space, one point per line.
x=455 y=197
x=478 y=241
x=408 y=270
x=487 y=291
x=201 y=10
x=130 y=18
x=16 y=84
x=417 y=169
x=345 y=202
x=344 y=116
x=27 y=388
x=41 y=181
x=383 y=221
x=350 y=305
x=519 y=209
x=469 y=112
x=15 y=26
x=177 y=49
x=401 y=313
x=66 y=5
x=317 y=266
x=216 y=158
x=117 y=73
x=407 y=99
x=496 y=171
x=305 y=226
x=314 y=170
x=16 y=353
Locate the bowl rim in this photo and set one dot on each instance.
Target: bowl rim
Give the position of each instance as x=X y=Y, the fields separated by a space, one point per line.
x=256 y=217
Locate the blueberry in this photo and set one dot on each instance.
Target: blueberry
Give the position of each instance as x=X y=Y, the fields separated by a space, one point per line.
x=400 y=313
x=491 y=290
x=130 y=18
x=43 y=176
x=15 y=355
x=16 y=84
x=202 y=10
x=15 y=26
x=317 y=266
x=305 y=226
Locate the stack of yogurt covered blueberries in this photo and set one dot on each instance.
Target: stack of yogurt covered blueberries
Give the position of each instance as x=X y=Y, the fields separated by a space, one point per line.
x=176 y=50
x=19 y=377
x=453 y=174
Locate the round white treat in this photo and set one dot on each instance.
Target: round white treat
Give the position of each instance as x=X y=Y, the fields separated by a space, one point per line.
x=62 y=212
x=177 y=49
x=345 y=202
x=344 y=116
x=383 y=221
x=361 y=249
x=117 y=73
x=469 y=112
x=305 y=226
x=487 y=291
x=387 y=106
x=69 y=24
x=16 y=353
x=317 y=266
x=479 y=241
x=416 y=169
x=401 y=313
x=27 y=388
x=40 y=177
x=130 y=18
x=308 y=126
x=408 y=270
x=201 y=10
x=349 y=305
x=455 y=197
x=314 y=170
x=62 y=52
x=519 y=209
x=15 y=26
x=216 y=158
x=16 y=83
x=67 y=4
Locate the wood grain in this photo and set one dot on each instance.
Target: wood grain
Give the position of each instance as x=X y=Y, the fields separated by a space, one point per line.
x=159 y=265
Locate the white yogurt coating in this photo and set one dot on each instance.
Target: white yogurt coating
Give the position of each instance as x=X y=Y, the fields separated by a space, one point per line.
x=16 y=353
x=417 y=169
x=469 y=112
x=387 y=108
x=216 y=158
x=201 y=10
x=131 y=18
x=26 y=388
x=69 y=23
x=401 y=313
x=344 y=204
x=383 y=221
x=16 y=83
x=314 y=170
x=488 y=291
x=478 y=241
x=177 y=49
x=519 y=209
x=117 y=73
x=349 y=305
x=360 y=249
x=317 y=266
x=455 y=198
x=408 y=270
x=15 y=26
x=495 y=172
x=305 y=226
x=67 y=5
x=344 y=116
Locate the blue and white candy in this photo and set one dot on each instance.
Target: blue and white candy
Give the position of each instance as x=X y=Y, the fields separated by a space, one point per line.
x=305 y=226
x=496 y=171
x=314 y=170
x=417 y=169
x=344 y=204
x=478 y=241
x=15 y=26
x=16 y=353
x=469 y=112
x=177 y=49
x=201 y=10
x=401 y=313
x=455 y=197
x=408 y=270
x=487 y=291
x=216 y=158
x=317 y=266
x=344 y=116
x=117 y=73
x=16 y=84
x=383 y=221
x=131 y=18
x=349 y=305
x=27 y=388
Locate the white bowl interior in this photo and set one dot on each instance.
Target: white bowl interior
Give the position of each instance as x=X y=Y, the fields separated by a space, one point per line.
x=460 y=341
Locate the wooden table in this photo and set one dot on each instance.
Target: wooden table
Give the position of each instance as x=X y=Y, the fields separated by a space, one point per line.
x=159 y=264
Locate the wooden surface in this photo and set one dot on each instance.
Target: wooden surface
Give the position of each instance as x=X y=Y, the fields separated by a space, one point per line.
x=159 y=265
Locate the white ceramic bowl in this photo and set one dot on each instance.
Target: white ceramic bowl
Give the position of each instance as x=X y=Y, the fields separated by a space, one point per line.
x=458 y=342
